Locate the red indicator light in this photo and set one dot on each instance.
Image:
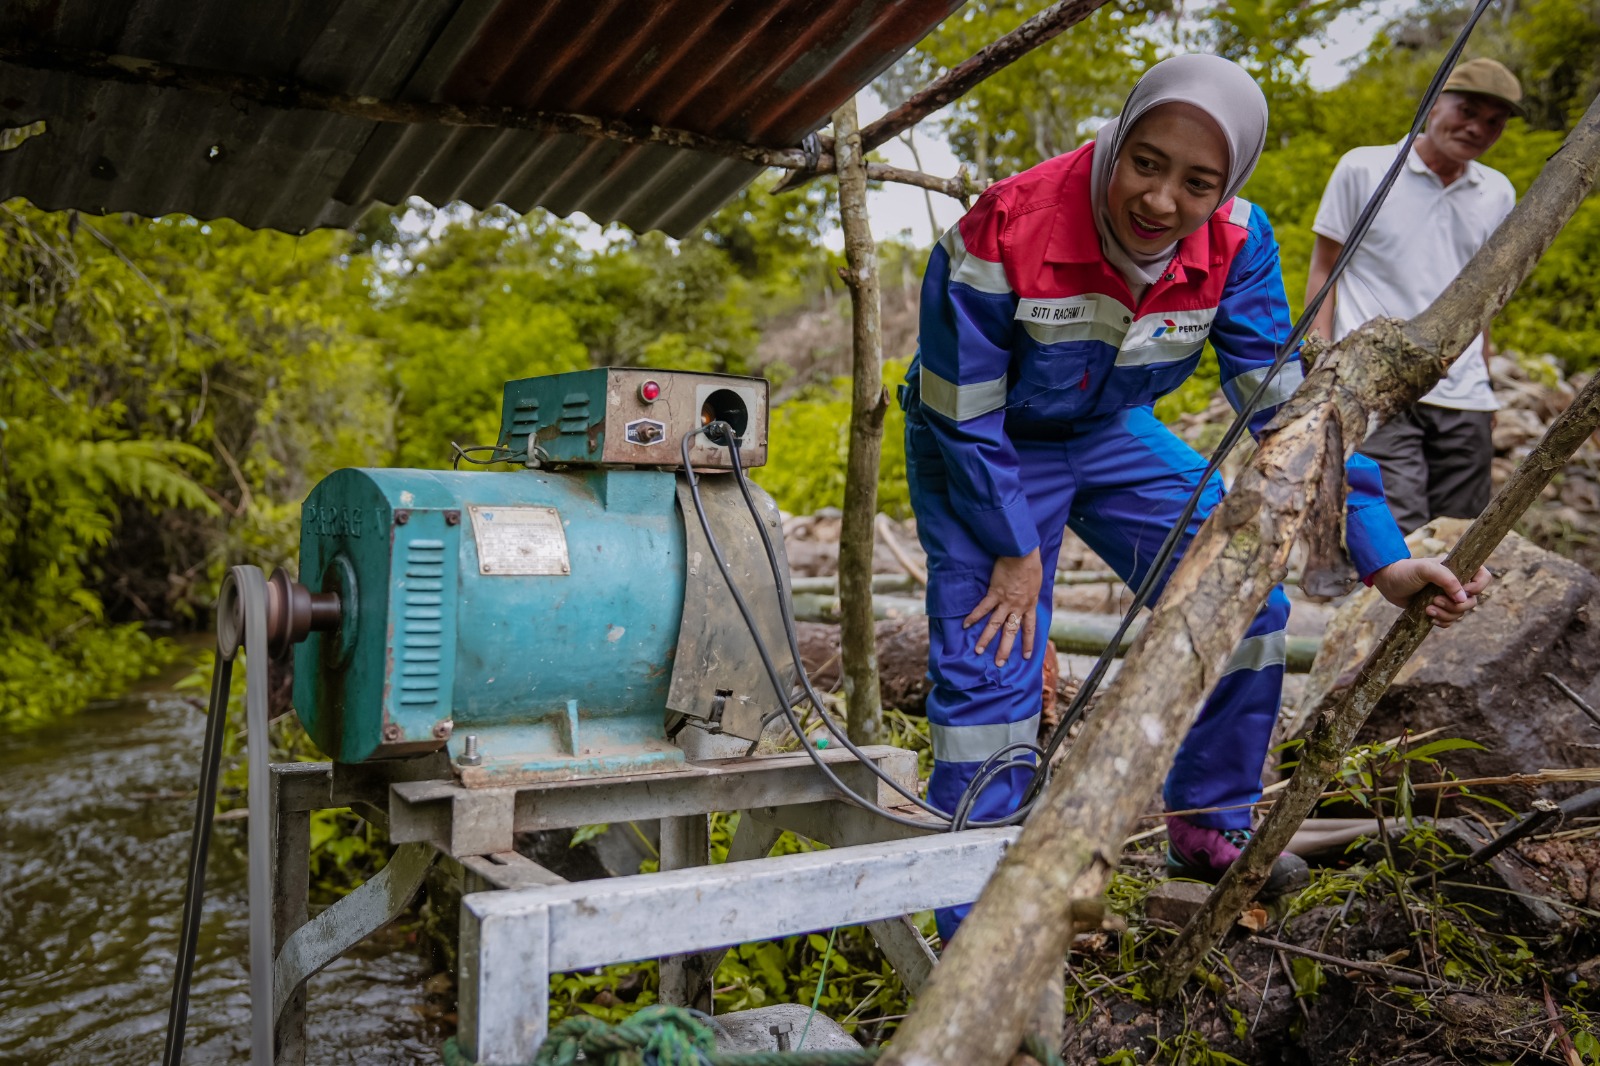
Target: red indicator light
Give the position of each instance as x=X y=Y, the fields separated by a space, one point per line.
x=650 y=392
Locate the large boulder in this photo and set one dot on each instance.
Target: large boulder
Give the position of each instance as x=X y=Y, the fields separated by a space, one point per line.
x=1483 y=679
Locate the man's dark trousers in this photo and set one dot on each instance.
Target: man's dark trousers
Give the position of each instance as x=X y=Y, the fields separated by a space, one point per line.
x=1435 y=463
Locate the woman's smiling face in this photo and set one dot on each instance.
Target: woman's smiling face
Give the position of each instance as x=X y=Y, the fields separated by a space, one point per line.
x=1168 y=178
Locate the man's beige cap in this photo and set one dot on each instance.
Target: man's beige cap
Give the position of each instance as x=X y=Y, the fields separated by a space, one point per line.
x=1486 y=78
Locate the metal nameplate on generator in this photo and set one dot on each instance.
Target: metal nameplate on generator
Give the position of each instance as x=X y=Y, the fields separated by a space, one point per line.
x=520 y=541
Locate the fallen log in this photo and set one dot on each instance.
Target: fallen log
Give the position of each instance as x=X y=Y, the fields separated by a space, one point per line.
x=1072 y=632
x=978 y=1001
x=1345 y=708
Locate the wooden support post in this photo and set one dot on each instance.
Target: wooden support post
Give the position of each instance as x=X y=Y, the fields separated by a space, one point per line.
x=291 y=885
x=1343 y=710
x=868 y=403
x=976 y=1006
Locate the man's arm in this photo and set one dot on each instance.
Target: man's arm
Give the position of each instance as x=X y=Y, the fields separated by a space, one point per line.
x=1323 y=255
x=1488 y=350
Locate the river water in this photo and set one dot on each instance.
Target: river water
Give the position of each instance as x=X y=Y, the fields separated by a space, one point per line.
x=95 y=817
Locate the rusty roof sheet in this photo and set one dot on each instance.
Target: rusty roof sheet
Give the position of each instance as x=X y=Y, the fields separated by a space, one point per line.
x=764 y=73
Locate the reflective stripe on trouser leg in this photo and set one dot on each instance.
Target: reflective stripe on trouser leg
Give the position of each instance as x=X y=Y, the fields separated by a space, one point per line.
x=976 y=708
x=1134 y=476
x=969 y=709
x=973 y=711
x=1219 y=763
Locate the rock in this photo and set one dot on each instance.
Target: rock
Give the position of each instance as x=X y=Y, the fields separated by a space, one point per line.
x=1482 y=679
x=1175 y=901
x=1514 y=428
x=752 y=1030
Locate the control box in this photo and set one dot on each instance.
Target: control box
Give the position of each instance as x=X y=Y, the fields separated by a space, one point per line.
x=626 y=416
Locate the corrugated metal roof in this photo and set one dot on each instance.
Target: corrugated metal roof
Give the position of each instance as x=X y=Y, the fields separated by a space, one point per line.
x=764 y=73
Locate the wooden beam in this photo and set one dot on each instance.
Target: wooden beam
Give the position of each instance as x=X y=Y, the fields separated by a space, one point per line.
x=961 y=78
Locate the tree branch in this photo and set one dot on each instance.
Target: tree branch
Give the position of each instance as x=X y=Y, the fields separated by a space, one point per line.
x=961 y=187
x=868 y=403
x=1514 y=248
x=986 y=61
x=976 y=1005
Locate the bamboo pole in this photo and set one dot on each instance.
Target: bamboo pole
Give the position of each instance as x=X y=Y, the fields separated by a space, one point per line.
x=976 y=1005
x=869 y=401
x=1344 y=709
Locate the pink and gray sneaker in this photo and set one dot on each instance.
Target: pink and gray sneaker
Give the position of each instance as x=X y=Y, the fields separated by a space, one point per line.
x=1203 y=854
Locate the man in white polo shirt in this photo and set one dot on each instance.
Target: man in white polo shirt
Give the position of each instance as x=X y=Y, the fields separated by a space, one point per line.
x=1434 y=454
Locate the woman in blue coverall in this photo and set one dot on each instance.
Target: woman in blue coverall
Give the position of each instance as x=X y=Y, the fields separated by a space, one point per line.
x=1054 y=314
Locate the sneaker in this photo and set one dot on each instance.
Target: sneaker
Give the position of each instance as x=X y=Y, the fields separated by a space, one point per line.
x=1203 y=854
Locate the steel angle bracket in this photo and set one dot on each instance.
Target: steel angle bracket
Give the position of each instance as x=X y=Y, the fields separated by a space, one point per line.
x=717 y=675
x=349 y=921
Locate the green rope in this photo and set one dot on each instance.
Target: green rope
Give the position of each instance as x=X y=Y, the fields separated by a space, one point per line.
x=671 y=1036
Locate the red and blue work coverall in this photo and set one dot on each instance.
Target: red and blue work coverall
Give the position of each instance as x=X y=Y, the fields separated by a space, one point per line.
x=1028 y=408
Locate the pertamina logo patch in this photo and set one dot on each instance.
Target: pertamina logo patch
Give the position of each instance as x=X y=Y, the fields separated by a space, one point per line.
x=1170 y=327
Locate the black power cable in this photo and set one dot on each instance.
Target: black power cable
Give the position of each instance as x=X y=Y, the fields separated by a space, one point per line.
x=1241 y=422
x=999 y=762
x=722 y=433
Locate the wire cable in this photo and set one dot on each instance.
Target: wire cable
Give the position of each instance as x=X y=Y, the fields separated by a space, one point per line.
x=793 y=636
x=1163 y=557
x=998 y=763
x=987 y=770
x=722 y=433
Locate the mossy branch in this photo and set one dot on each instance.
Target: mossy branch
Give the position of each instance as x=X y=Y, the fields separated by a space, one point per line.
x=976 y=1006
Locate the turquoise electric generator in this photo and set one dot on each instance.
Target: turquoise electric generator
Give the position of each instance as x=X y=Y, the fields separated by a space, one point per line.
x=564 y=618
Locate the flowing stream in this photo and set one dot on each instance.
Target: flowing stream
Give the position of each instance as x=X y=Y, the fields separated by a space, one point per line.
x=95 y=817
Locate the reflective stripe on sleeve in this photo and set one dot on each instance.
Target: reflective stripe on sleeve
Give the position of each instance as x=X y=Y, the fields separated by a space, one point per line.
x=1242 y=387
x=975 y=743
x=969 y=270
x=1258 y=653
x=1240 y=214
x=961 y=402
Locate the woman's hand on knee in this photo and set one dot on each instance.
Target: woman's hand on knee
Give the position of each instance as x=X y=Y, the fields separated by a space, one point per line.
x=1402 y=580
x=1010 y=605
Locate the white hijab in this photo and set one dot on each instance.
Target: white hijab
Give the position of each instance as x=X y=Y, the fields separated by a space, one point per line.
x=1217 y=86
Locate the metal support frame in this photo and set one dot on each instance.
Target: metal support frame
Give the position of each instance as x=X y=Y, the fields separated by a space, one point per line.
x=511 y=941
x=297 y=790
x=685 y=979
x=527 y=922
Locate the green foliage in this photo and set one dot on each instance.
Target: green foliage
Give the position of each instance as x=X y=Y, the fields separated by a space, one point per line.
x=775 y=242
x=1552 y=46
x=1047 y=102
x=168 y=384
x=1308 y=977
x=809 y=443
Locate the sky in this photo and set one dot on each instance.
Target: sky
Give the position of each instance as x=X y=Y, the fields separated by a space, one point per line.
x=901 y=211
